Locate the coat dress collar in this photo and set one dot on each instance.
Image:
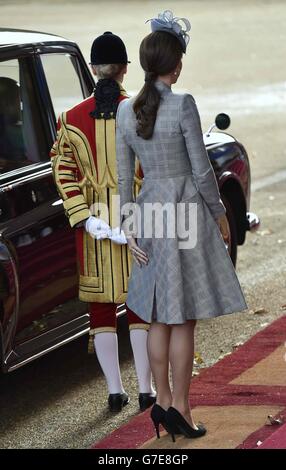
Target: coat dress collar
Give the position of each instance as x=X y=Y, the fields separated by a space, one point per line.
x=162 y=87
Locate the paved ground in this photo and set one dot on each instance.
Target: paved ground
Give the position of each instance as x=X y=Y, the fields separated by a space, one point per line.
x=235 y=65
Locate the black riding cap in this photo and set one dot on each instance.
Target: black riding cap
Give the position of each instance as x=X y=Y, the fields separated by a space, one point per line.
x=108 y=49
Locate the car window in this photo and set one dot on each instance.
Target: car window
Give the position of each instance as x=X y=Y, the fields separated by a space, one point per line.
x=62 y=75
x=20 y=123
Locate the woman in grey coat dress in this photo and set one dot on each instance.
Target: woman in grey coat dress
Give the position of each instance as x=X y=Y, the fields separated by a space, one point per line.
x=180 y=275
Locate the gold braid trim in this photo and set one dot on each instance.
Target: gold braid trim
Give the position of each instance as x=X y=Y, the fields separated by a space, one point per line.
x=107 y=181
x=75 y=201
x=102 y=329
x=76 y=209
x=93 y=332
x=139 y=326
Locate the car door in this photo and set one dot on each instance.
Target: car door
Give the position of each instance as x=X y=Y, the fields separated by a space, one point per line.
x=38 y=249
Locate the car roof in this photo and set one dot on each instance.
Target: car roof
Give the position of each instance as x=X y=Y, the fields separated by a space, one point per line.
x=21 y=36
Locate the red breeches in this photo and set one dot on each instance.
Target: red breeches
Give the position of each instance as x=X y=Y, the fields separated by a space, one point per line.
x=103 y=318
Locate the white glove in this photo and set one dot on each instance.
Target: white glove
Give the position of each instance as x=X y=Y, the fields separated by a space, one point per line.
x=118 y=236
x=97 y=228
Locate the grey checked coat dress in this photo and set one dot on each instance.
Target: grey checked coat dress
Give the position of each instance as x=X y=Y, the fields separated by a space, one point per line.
x=177 y=284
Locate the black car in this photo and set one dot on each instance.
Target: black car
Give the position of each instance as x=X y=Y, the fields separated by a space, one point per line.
x=40 y=76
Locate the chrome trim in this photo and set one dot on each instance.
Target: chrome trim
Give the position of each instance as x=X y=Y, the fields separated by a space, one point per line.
x=25 y=169
x=212 y=126
x=45 y=351
x=121 y=311
x=20 y=181
x=217 y=138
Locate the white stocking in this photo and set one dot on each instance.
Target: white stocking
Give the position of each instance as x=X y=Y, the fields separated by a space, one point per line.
x=106 y=347
x=138 y=338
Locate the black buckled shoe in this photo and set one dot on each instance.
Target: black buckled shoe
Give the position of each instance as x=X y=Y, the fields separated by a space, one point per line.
x=146 y=400
x=116 y=401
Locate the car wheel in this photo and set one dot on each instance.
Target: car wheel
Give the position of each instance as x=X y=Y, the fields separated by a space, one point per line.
x=232 y=242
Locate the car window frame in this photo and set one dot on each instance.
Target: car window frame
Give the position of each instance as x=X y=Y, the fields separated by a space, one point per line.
x=86 y=81
x=16 y=52
x=47 y=115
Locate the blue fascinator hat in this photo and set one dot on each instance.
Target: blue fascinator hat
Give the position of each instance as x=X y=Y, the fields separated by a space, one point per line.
x=178 y=27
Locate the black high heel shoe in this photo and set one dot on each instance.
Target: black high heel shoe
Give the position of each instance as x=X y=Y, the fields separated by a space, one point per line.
x=175 y=421
x=158 y=416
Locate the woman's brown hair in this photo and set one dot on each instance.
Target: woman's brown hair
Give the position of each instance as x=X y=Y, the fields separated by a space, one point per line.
x=160 y=53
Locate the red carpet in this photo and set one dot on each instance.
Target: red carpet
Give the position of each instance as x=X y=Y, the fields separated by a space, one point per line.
x=232 y=398
x=277 y=440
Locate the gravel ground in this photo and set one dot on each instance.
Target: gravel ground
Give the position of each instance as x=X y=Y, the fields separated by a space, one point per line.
x=60 y=400
x=261 y=269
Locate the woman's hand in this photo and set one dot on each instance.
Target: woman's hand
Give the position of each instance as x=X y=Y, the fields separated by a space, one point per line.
x=139 y=256
x=223 y=226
